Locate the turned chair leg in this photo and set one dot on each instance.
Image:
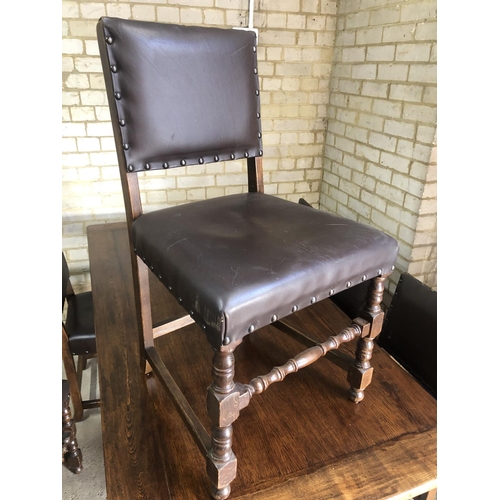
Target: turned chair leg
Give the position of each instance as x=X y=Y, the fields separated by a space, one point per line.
x=223 y=409
x=72 y=455
x=360 y=371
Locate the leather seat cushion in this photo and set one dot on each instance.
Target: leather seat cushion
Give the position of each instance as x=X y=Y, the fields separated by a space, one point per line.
x=235 y=262
x=80 y=324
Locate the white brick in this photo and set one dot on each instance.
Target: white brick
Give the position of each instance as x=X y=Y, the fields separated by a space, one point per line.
x=387 y=108
x=393 y=72
x=82 y=113
x=367 y=152
x=371 y=122
x=118 y=10
x=353 y=54
x=86 y=144
x=378 y=172
x=387 y=224
x=374 y=89
x=172 y=15
x=380 y=53
x=368 y=36
x=77 y=81
x=70 y=98
x=418 y=11
x=73 y=130
x=94 y=98
x=144 y=12
x=382 y=141
x=357 y=20
x=402 y=92
x=399 y=129
x=398 y=33
x=191 y=16
x=419 y=112
x=92 y=10
x=426 y=31
x=72 y=46
x=364 y=71
x=395 y=162
x=413 y=52
x=388 y=15
x=70 y=9
x=390 y=193
x=423 y=73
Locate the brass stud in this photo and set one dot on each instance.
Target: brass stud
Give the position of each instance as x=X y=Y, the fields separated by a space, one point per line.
x=130 y=168
x=261 y=152
x=180 y=300
x=183 y=163
x=109 y=40
x=251 y=328
x=294 y=309
x=147 y=166
x=313 y=300
x=165 y=165
x=159 y=277
x=118 y=96
x=274 y=318
x=232 y=156
x=255 y=71
x=114 y=69
x=380 y=272
x=348 y=284
x=257 y=92
x=169 y=288
x=259 y=135
x=246 y=155
x=331 y=292
x=191 y=313
x=227 y=341
x=392 y=268
x=121 y=122
x=258 y=115
x=254 y=48
x=363 y=278
x=216 y=158
x=126 y=146
x=200 y=160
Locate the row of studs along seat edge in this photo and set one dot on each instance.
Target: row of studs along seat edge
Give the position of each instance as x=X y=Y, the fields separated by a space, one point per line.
x=274 y=317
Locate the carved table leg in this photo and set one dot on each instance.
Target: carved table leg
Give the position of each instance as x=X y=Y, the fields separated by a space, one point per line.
x=223 y=409
x=72 y=455
x=360 y=372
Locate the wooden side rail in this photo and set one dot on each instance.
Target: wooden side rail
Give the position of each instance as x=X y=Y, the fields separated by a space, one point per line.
x=200 y=435
x=172 y=325
x=359 y=328
x=338 y=358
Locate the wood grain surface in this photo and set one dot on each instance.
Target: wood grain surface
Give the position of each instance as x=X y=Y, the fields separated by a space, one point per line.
x=302 y=438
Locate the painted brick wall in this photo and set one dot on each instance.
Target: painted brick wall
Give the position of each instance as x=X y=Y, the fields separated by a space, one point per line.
x=382 y=126
x=295 y=55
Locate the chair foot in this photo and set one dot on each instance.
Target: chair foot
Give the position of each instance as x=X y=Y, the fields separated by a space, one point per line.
x=220 y=494
x=72 y=455
x=356 y=395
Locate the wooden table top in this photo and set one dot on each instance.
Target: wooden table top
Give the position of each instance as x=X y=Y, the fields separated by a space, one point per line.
x=300 y=439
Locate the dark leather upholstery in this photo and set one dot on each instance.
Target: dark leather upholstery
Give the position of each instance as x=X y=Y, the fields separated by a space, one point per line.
x=237 y=261
x=186 y=94
x=80 y=324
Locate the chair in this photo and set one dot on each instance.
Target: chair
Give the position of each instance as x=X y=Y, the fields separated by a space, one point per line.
x=78 y=339
x=71 y=453
x=182 y=96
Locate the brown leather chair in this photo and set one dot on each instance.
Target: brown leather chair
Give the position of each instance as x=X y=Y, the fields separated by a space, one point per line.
x=71 y=453
x=78 y=339
x=182 y=96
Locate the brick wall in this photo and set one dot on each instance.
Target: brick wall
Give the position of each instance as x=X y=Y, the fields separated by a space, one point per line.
x=382 y=125
x=295 y=53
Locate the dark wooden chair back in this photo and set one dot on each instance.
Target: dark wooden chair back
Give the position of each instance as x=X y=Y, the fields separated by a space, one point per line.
x=207 y=113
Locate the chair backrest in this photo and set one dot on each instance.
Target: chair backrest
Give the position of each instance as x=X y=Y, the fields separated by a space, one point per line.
x=180 y=95
x=67 y=289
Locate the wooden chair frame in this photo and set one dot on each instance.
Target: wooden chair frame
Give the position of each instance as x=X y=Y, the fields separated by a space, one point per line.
x=226 y=398
x=74 y=373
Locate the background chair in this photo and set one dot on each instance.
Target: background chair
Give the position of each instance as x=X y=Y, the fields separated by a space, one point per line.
x=71 y=453
x=182 y=96
x=78 y=339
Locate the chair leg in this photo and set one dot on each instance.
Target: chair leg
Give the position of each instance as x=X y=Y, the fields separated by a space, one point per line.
x=360 y=373
x=71 y=376
x=72 y=455
x=223 y=409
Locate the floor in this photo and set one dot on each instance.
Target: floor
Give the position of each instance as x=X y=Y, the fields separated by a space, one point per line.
x=90 y=483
